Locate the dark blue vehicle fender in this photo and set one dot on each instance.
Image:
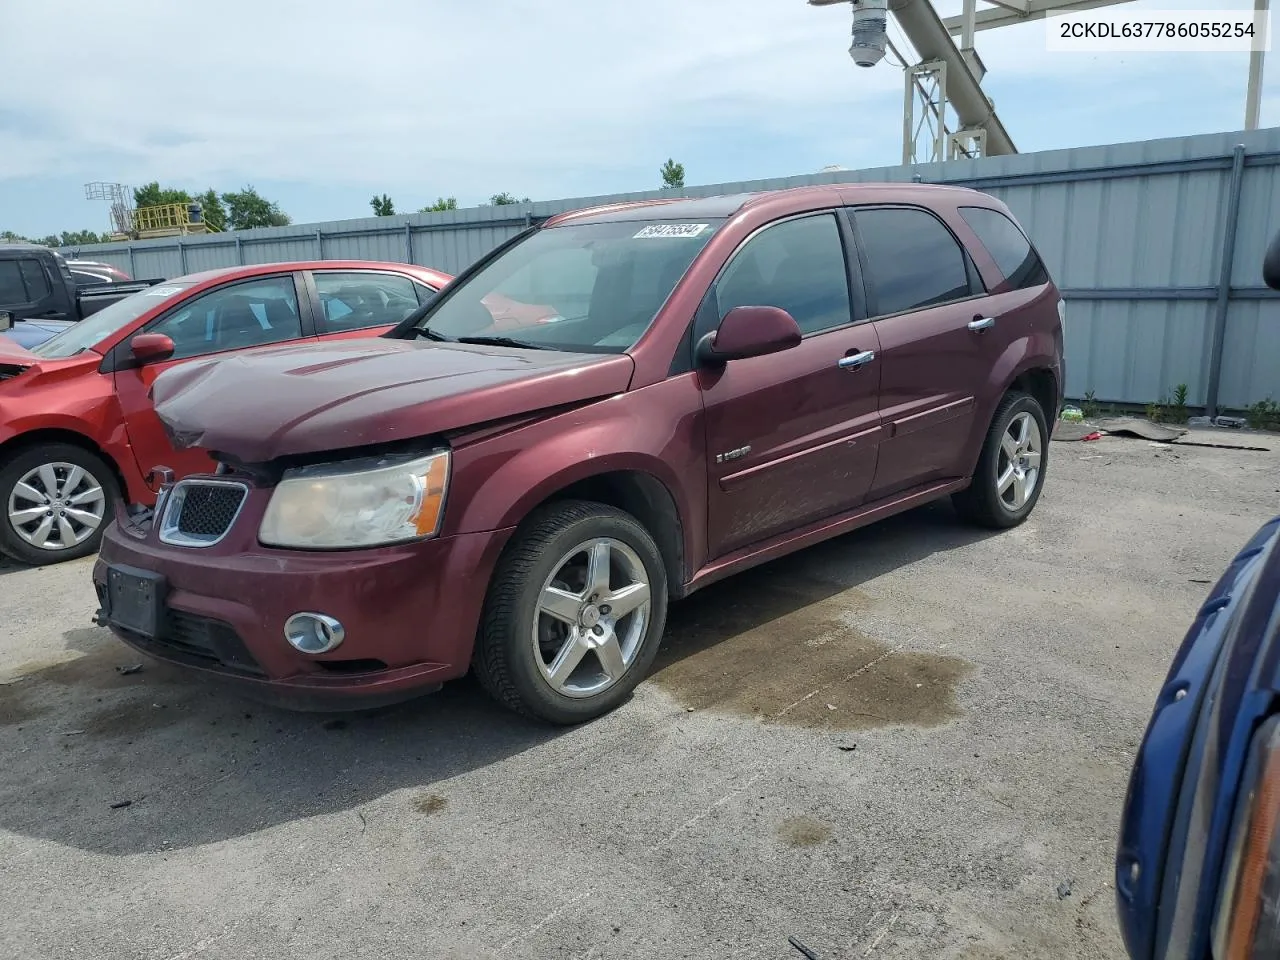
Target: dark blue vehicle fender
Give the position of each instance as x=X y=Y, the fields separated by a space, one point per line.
x=1183 y=789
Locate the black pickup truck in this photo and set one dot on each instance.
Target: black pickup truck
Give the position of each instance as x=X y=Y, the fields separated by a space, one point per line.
x=39 y=295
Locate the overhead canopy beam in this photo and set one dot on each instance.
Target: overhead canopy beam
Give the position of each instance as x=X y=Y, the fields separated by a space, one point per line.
x=1017 y=6
x=924 y=28
x=1023 y=11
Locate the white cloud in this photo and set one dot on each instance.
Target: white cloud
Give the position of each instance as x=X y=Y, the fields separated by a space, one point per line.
x=470 y=94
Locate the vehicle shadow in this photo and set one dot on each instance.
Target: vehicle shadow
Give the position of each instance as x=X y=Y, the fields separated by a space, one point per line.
x=8 y=566
x=112 y=753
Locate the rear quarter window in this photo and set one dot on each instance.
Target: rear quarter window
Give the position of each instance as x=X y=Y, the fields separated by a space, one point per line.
x=1008 y=246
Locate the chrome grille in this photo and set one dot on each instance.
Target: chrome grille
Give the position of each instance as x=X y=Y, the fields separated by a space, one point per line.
x=198 y=513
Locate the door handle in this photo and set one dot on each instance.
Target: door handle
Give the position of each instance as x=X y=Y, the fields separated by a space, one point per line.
x=978 y=324
x=856 y=360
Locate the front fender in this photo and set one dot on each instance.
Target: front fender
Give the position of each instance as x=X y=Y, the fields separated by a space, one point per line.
x=653 y=431
x=101 y=433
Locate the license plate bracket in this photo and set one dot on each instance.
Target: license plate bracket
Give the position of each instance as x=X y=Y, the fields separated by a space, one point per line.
x=135 y=600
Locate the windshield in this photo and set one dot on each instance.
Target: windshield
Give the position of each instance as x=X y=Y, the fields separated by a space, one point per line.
x=591 y=287
x=92 y=330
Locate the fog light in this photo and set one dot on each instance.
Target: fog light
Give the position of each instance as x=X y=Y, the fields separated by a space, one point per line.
x=313 y=632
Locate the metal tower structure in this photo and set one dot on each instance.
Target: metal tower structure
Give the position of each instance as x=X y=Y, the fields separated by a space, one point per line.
x=117 y=196
x=950 y=76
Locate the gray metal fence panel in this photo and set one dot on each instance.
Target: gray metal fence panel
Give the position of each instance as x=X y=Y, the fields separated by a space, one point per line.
x=1251 y=353
x=1132 y=232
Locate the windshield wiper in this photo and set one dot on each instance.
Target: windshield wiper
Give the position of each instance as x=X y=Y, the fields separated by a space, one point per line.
x=430 y=334
x=505 y=342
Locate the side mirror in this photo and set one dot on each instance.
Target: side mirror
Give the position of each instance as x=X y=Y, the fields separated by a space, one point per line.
x=1271 y=264
x=151 y=347
x=749 y=332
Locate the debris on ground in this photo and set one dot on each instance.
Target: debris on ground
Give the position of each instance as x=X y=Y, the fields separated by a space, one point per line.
x=802 y=948
x=1070 y=432
x=1091 y=436
x=1231 y=423
x=129 y=670
x=1071 y=414
x=121 y=804
x=847 y=748
x=1137 y=427
x=1199 y=580
x=1064 y=889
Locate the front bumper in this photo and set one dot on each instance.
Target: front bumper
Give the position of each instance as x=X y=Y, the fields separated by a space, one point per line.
x=410 y=612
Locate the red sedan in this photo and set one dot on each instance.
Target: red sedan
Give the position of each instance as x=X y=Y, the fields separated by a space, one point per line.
x=76 y=423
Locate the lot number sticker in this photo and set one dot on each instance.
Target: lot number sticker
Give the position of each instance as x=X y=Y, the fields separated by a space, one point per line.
x=670 y=230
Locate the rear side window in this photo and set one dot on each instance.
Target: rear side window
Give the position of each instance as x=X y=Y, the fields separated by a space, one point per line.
x=912 y=260
x=11 y=289
x=1008 y=246
x=354 y=301
x=37 y=283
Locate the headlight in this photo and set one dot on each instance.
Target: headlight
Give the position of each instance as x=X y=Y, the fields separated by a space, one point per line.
x=357 y=503
x=1247 y=926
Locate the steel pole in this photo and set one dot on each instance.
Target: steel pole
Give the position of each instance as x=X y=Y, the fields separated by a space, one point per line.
x=1253 y=98
x=1227 y=261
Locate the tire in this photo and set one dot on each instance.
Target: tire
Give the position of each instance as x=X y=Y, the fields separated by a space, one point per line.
x=612 y=653
x=22 y=490
x=983 y=502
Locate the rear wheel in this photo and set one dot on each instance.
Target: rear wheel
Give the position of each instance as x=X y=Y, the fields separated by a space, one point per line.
x=56 y=500
x=1011 y=467
x=574 y=615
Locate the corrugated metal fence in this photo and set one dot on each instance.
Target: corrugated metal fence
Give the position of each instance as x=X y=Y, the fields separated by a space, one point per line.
x=1157 y=245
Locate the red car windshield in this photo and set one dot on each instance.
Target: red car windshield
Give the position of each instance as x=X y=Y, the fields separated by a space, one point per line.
x=591 y=287
x=91 y=331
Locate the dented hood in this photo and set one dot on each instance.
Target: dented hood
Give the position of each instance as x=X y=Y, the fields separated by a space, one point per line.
x=14 y=354
x=300 y=399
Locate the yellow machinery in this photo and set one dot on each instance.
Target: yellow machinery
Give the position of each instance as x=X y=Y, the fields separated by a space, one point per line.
x=169 y=220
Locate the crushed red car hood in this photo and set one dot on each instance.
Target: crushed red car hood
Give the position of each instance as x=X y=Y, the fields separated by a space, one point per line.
x=12 y=352
x=311 y=398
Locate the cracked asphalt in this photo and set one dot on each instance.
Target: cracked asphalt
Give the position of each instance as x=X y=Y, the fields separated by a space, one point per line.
x=898 y=744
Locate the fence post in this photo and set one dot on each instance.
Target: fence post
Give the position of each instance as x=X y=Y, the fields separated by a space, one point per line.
x=1223 y=300
x=133 y=269
x=182 y=257
x=239 y=252
x=408 y=243
x=319 y=245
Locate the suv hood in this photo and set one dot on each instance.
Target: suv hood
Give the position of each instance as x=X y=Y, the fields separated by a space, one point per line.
x=281 y=401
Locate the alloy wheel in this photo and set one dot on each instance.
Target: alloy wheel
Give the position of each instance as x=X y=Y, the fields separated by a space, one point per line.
x=57 y=506
x=1018 y=465
x=592 y=615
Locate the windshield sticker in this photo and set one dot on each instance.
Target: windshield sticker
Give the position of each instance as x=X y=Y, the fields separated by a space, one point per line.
x=163 y=291
x=670 y=230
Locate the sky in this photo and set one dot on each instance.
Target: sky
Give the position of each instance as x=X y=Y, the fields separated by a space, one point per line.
x=321 y=104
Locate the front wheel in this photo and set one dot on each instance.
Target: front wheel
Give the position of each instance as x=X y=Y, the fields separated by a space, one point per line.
x=56 y=499
x=1010 y=471
x=574 y=614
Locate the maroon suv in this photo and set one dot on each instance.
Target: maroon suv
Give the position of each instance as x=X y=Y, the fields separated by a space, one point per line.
x=605 y=413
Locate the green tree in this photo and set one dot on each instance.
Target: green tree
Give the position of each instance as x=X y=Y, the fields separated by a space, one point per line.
x=382 y=206
x=672 y=175
x=247 y=209
x=152 y=195
x=505 y=199
x=75 y=238
x=441 y=204
x=52 y=240
x=214 y=213
x=8 y=236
